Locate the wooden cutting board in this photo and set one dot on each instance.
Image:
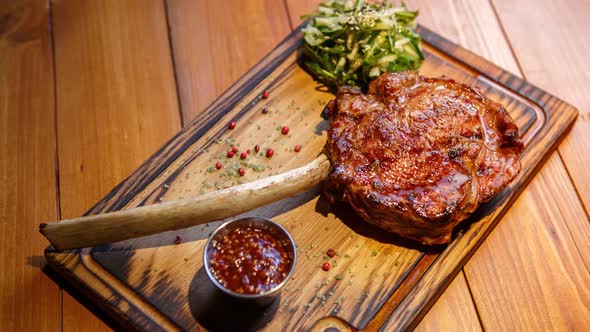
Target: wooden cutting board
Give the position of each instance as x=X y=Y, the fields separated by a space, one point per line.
x=377 y=280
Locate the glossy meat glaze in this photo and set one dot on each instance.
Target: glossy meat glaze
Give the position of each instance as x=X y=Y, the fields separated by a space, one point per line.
x=418 y=155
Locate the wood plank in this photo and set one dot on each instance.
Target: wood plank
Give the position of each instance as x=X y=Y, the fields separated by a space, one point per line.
x=528 y=275
x=556 y=58
x=495 y=48
x=471 y=24
x=483 y=274
x=30 y=300
x=215 y=44
x=299 y=8
x=116 y=102
x=454 y=310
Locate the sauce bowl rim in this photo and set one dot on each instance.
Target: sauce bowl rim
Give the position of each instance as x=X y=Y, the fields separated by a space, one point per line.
x=272 y=291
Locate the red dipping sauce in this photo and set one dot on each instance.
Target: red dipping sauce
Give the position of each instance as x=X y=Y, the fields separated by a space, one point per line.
x=249 y=260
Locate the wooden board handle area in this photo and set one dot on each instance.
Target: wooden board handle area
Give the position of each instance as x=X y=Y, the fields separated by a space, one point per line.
x=146 y=220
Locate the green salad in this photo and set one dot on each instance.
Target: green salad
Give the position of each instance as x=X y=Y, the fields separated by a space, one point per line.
x=351 y=42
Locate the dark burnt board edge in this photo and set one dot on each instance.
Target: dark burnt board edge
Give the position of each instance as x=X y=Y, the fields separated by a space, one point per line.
x=559 y=118
x=111 y=315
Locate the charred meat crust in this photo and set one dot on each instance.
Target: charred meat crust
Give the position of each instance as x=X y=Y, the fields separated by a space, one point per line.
x=417 y=155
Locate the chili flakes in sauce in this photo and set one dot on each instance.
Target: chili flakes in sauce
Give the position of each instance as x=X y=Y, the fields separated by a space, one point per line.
x=249 y=261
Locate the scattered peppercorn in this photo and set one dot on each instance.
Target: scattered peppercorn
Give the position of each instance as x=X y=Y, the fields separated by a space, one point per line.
x=285 y=130
x=297 y=148
x=265 y=110
x=257 y=148
x=241 y=171
x=269 y=153
x=331 y=252
x=231 y=125
x=230 y=154
x=248 y=151
x=326 y=266
x=243 y=155
x=178 y=239
x=265 y=94
x=234 y=149
x=218 y=165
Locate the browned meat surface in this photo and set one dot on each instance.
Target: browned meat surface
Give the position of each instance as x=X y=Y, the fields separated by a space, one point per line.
x=418 y=155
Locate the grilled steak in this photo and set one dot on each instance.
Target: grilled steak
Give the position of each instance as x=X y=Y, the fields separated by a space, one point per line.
x=418 y=155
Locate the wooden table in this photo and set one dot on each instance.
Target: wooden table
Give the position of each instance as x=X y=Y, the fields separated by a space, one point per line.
x=89 y=89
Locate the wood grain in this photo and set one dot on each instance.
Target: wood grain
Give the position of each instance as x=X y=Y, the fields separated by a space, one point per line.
x=565 y=73
x=471 y=24
x=30 y=301
x=116 y=102
x=215 y=43
x=476 y=269
x=498 y=50
x=550 y=289
x=297 y=9
x=453 y=311
x=149 y=282
x=548 y=244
